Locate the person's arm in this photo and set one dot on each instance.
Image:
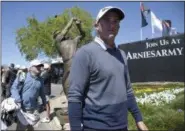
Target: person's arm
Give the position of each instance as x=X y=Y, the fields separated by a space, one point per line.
x=68 y=26
x=132 y=105
x=131 y=101
x=78 y=78
x=45 y=75
x=141 y=126
x=15 y=92
x=59 y=35
x=42 y=94
x=82 y=33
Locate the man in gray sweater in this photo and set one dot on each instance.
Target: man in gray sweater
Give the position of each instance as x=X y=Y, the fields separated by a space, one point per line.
x=100 y=92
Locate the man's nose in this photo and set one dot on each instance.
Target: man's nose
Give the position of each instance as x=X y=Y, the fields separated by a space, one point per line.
x=113 y=25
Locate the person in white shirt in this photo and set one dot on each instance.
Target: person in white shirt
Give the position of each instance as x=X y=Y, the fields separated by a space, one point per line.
x=21 y=74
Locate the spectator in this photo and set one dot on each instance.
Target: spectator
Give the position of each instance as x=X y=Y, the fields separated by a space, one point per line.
x=8 y=78
x=27 y=96
x=21 y=74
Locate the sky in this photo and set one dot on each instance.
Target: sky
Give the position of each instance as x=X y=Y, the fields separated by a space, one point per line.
x=14 y=14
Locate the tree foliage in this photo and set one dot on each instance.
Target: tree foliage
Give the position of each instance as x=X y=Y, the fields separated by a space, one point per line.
x=37 y=37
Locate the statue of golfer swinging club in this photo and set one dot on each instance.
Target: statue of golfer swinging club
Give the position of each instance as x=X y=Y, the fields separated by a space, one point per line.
x=67 y=48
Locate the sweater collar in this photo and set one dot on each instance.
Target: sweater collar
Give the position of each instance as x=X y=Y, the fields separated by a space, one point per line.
x=102 y=44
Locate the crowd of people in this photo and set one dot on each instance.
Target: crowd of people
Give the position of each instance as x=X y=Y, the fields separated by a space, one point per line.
x=8 y=75
x=25 y=86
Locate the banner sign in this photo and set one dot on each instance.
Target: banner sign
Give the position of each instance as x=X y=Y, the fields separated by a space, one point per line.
x=159 y=59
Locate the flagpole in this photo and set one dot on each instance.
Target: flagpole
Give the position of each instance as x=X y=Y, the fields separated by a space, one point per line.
x=141 y=33
x=152 y=31
x=152 y=25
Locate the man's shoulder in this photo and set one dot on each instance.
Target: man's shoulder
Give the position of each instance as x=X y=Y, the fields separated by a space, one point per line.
x=89 y=47
x=85 y=51
x=30 y=78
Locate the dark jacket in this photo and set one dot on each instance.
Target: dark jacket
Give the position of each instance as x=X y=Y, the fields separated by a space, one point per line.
x=46 y=75
x=10 y=77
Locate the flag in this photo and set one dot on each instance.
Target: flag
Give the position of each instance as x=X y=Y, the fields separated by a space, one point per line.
x=156 y=23
x=166 y=27
x=144 y=11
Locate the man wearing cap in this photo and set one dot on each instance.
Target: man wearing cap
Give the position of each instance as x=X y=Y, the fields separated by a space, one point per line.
x=100 y=92
x=27 y=95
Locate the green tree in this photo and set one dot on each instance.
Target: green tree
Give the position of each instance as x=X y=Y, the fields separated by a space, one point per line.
x=37 y=37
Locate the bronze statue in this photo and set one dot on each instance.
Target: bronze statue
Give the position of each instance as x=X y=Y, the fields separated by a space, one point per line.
x=67 y=47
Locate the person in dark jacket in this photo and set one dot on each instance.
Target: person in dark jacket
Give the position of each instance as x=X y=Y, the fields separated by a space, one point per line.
x=8 y=77
x=46 y=75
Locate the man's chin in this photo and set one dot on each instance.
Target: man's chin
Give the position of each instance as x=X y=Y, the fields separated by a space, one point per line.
x=111 y=36
x=37 y=73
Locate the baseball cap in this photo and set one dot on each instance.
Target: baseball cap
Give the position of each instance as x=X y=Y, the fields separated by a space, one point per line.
x=104 y=10
x=36 y=63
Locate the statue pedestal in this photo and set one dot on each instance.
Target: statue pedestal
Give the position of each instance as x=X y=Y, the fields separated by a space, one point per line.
x=59 y=106
x=61 y=115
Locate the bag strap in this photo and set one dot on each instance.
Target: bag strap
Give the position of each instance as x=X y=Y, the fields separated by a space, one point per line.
x=21 y=84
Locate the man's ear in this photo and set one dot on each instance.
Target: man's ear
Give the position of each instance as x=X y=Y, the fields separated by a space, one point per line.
x=95 y=25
